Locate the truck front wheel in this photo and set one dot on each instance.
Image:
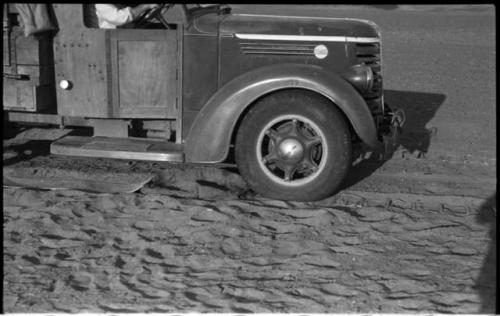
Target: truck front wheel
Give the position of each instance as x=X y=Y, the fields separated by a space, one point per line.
x=293 y=145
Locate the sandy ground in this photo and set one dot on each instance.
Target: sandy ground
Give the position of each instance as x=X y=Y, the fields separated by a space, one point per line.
x=195 y=239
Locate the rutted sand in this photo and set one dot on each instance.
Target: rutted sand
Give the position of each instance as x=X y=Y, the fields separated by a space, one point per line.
x=155 y=251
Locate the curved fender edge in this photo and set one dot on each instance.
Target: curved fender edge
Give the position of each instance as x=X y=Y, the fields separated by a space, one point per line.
x=210 y=135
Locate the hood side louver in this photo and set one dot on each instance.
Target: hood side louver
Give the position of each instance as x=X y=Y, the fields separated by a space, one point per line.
x=269 y=48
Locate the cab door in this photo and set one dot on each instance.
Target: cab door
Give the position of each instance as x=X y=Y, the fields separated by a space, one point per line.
x=143 y=72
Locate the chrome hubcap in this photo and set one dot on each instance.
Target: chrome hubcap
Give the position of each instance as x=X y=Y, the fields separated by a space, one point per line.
x=292 y=150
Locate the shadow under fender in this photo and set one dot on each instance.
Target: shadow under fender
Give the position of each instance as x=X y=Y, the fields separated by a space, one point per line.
x=209 y=138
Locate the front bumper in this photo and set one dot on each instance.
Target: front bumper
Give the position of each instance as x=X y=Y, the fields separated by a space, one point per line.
x=391 y=128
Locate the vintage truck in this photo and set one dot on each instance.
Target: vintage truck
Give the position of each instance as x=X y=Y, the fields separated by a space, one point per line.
x=286 y=97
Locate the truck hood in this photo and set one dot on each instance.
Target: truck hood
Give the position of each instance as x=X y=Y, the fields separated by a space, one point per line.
x=288 y=25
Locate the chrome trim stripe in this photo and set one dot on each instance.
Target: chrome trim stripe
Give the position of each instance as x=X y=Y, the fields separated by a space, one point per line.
x=302 y=17
x=307 y=38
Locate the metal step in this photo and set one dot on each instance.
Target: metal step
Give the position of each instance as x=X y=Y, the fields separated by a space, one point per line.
x=120 y=148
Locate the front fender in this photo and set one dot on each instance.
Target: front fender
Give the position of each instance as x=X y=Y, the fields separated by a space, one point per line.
x=210 y=135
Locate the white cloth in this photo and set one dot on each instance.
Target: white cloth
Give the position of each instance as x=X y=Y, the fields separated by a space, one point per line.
x=35 y=17
x=110 y=16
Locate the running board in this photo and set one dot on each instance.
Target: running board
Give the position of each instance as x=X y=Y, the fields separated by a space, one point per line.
x=120 y=148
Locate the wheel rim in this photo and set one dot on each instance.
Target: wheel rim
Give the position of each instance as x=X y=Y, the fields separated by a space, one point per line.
x=291 y=150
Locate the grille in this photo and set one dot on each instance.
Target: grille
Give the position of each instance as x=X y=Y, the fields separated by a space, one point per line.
x=277 y=49
x=369 y=54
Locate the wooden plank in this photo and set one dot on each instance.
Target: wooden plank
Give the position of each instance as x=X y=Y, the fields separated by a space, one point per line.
x=159 y=35
x=32 y=118
x=6 y=49
x=45 y=119
x=117 y=185
x=144 y=111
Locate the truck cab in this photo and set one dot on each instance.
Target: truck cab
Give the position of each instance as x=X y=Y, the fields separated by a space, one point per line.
x=290 y=96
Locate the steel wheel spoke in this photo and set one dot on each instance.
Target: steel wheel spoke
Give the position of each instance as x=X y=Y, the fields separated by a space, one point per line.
x=270 y=158
x=273 y=135
x=289 y=171
x=310 y=164
x=310 y=142
x=294 y=128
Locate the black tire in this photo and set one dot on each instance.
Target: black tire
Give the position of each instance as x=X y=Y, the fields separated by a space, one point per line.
x=294 y=145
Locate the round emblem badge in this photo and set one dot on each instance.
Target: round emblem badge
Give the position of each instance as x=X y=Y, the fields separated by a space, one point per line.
x=320 y=51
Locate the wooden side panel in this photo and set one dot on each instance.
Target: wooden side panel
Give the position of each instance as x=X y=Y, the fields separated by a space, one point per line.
x=143 y=87
x=18 y=94
x=28 y=83
x=145 y=70
x=24 y=95
x=119 y=73
x=81 y=59
x=27 y=50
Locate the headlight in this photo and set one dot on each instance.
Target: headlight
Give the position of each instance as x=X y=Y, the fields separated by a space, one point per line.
x=360 y=76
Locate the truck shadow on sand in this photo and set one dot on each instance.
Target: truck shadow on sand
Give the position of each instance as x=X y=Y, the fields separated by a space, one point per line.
x=420 y=108
x=486 y=282
x=24 y=143
x=27 y=151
